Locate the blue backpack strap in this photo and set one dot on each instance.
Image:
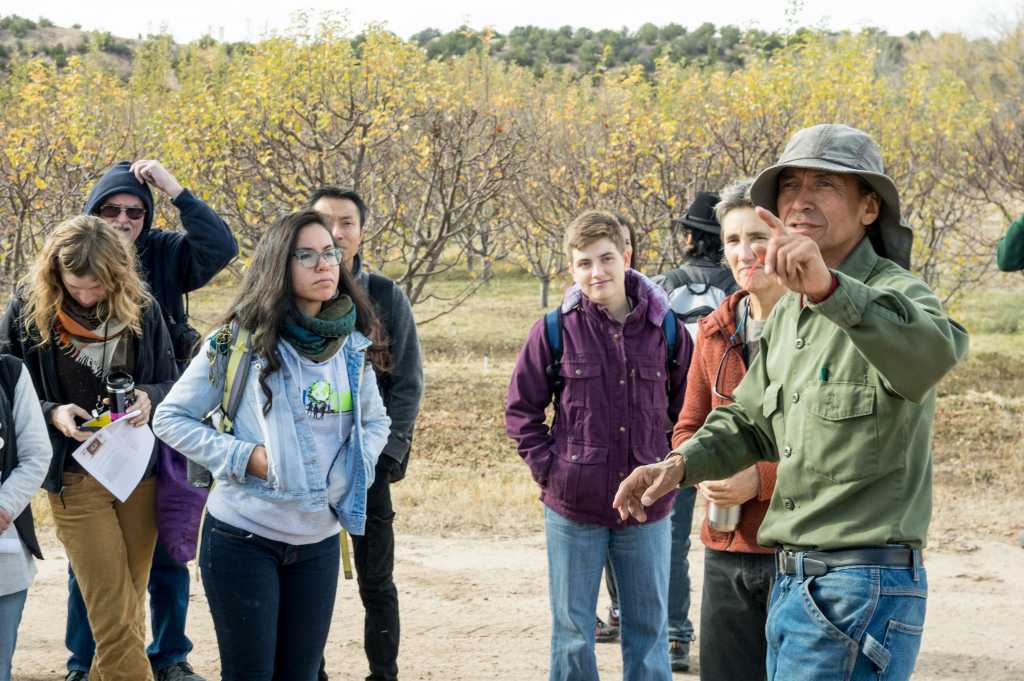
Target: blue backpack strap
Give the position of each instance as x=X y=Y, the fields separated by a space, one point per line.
x=553 y=333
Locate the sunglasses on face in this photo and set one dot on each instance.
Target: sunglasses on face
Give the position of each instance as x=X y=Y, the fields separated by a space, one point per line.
x=112 y=210
x=309 y=258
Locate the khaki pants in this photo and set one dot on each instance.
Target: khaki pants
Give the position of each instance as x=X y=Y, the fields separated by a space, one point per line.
x=110 y=545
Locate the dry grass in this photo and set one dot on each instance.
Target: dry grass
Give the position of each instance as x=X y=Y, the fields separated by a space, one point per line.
x=465 y=476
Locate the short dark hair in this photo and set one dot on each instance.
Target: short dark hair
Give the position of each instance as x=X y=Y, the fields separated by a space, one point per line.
x=330 y=191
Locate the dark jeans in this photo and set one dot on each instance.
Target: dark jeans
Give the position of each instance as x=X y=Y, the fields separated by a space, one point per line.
x=271 y=602
x=680 y=628
x=374 y=554
x=168 y=608
x=734 y=607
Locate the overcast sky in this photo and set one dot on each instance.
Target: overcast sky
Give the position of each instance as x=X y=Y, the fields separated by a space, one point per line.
x=235 y=20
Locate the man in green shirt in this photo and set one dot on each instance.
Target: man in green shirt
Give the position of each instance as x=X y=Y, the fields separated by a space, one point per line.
x=1010 y=250
x=842 y=394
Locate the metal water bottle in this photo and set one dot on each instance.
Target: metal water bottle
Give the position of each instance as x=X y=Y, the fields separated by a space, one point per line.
x=723 y=518
x=121 y=392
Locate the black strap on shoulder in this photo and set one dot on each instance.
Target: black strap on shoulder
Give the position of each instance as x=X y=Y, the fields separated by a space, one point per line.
x=379 y=287
x=671 y=330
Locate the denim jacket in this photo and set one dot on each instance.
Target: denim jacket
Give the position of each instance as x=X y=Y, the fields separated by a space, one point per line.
x=294 y=475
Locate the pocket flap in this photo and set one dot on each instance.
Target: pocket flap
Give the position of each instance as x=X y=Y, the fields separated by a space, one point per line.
x=585 y=454
x=840 y=401
x=770 y=405
x=651 y=372
x=577 y=369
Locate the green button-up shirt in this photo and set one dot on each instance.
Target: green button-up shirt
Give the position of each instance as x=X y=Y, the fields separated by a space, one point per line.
x=842 y=395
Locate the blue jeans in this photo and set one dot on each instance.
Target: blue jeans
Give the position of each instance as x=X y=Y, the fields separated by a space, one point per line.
x=679 y=626
x=576 y=557
x=11 y=607
x=851 y=624
x=168 y=608
x=271 y=602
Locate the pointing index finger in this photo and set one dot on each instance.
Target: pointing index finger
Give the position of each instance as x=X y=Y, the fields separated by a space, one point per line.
x=773 y=222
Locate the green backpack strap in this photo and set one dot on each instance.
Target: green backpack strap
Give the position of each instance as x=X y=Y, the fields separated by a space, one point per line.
x=237 y=374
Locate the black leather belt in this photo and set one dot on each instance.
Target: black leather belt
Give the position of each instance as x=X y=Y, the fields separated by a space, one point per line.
x=817 y=563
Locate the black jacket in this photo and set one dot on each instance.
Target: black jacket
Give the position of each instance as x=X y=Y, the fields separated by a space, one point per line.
x=402 y=387
x=171 y=263
x=154 y=372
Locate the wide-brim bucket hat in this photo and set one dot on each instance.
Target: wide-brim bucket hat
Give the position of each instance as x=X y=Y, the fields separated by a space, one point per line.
x=839 y=148
x=701 y=214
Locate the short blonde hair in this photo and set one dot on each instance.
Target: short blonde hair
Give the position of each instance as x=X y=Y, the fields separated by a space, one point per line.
x=84 y=246
x=591 y=226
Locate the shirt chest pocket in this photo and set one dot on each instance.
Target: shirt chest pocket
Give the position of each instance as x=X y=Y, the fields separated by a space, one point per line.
x=840 y=434
x=581 y=382
x=650 y=385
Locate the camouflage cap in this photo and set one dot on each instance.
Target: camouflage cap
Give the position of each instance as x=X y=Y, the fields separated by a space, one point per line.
x=841 y=149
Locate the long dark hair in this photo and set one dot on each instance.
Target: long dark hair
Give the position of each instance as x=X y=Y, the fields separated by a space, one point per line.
x=267 y=297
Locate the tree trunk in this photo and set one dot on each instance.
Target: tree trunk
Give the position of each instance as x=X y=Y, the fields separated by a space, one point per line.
x=545 y=286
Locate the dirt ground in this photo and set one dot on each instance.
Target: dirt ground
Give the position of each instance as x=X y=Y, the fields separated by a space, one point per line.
x=476 y=608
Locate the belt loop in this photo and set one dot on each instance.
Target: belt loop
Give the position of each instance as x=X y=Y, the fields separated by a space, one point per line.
x=916 y=558
x=799 y=560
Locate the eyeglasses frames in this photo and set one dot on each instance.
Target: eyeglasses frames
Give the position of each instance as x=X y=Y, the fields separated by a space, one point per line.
x=728 y=397
x=309 y=258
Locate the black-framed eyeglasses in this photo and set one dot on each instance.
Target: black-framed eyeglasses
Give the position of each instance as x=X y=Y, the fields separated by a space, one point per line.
x=720 y=394
x=112 y=210
x=309 y=258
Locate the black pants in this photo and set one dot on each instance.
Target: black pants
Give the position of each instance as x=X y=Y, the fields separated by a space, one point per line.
x=375 y=565
x=734 y=607
x=271 y=602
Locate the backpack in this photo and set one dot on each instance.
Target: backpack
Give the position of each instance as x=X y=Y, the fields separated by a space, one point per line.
x=553 y=332
x=693 y=301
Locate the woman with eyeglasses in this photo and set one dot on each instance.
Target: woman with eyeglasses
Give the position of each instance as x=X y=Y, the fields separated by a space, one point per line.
x=81 y=315
x=305 y=442
x=738 y=573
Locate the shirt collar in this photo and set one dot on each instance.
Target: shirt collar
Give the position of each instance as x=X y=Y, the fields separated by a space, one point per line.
x=860 y=262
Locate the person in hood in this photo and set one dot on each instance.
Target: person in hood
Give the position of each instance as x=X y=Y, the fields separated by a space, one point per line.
x=842 y=395
x=172 y=264
x=344 y=211
x=619 y=389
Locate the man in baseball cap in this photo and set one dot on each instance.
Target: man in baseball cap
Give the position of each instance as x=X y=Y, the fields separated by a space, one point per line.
x=842 y=395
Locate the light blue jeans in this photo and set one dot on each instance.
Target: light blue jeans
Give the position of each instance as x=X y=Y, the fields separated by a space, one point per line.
x=11 y=607
x=851 y=624
x=640 y=558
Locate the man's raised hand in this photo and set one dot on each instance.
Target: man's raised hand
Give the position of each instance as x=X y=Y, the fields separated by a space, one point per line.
x=795 y=260
x=152 y=171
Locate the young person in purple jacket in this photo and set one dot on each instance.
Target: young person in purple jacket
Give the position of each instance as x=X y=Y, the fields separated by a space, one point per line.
x=620 y=391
